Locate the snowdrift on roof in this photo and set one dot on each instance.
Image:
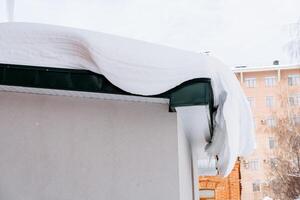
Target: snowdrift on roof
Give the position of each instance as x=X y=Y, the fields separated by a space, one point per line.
x=140 y=68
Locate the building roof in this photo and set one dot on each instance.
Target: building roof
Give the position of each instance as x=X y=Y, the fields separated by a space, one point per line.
x=137 y=68
x=264 y=68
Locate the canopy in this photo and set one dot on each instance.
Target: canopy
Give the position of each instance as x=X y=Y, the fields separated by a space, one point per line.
x=139 y=68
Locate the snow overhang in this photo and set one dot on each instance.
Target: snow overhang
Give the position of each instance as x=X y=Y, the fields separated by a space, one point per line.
x=123 y=68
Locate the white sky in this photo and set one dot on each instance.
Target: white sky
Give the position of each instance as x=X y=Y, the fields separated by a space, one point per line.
x=239 y=32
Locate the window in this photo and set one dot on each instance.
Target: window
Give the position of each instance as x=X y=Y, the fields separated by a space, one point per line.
x=269 y=101
x=293 y=79
x=271 y=122
x=270 y=81
x=294 y=100
x=251 y=101
x=271 y=142
x=250 y=82
x=273 y=163
x=256 y=186
x=296 y=119
x=206 y=194
x=253 y=164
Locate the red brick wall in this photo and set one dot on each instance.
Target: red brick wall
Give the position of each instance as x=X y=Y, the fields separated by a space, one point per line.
x=228 y=188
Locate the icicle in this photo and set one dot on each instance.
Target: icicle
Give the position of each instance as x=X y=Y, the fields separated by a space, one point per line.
x=10 y=7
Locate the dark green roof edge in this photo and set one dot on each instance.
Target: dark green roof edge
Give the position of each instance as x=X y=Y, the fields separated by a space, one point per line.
x=193 y=92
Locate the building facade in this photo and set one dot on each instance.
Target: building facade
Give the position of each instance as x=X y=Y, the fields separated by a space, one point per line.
x=267 y=88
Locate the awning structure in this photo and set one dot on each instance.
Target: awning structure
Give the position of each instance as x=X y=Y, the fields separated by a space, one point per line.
x=57 y=60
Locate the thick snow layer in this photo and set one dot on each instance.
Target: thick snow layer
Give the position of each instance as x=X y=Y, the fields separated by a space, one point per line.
x=140 y=68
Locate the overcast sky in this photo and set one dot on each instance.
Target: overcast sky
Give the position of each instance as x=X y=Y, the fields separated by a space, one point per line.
x=239 y=32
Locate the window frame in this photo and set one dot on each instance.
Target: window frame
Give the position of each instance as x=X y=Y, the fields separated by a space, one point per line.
x=273 y=162
x=204 y=196
x=296 y=119
x=294 y=99
x=250 y=82
x=293 y=79
x=271 y=122
x=271 y=140
x=256 y=186
x=254 y=165
x=270 y=81
x=269 y=101
x=251 y=101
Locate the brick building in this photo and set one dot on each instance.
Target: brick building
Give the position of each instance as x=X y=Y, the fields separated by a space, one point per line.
x=217 y=188
x=264 y=87
x=267 y=89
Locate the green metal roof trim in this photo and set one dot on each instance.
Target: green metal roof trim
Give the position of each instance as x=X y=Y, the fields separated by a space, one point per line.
x=190 y=93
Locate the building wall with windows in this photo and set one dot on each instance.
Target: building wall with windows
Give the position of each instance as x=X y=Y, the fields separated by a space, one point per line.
x=266 y=89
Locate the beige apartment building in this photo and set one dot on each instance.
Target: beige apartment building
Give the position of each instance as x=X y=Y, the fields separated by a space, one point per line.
x=266 y=88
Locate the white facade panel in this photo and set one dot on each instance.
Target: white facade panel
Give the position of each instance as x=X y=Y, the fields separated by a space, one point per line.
x=66 y=148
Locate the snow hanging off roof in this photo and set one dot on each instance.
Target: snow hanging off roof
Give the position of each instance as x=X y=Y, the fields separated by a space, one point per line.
x=140 y=68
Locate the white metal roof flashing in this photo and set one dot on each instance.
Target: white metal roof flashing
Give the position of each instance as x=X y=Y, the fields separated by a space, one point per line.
x=68 y=93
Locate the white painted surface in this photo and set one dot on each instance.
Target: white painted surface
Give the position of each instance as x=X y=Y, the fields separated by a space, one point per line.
x=92 y=95
x=194 y=121
x=186 y=186
x=63 y=148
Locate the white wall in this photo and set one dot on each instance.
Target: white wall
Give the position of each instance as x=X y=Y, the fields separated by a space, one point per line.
x=63 y=148
x=185 y=165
